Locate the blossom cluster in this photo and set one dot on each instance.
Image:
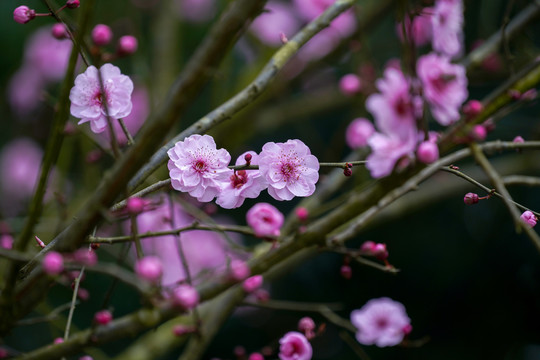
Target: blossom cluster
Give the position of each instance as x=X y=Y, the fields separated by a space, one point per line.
x=286 y=170
x=399 y=105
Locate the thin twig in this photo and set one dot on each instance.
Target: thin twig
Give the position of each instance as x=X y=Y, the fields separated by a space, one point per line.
x=294 y=305
x=73 y=303
x=521 y=180
x=129 y=138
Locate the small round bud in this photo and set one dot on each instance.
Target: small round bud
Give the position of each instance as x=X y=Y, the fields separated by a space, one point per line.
x=103 y=317
x=350 y=84
x=252 y=283
x=427 y=152
x=101 y=35
x=149 y=268
x=472 y=108
x=529 y=218
x=180 y=330
x=518 y=139
x=479 y=133
x=306 y=324
x=73 y=4
x=367 y=247
x=239 y=270
x=83 y=294
x=407 y=329
x=358 y=132
x=239 y=351
x=58 y=340
x=256 y=356
x=53 y=263
x=135 y=205
x=380 y=252
x=302 y=213
x=95 y=246
x=262 y=295
x=514 y=94
x=186 y=296
x=23 y=14
x=248 y=158
x=346 y=271
x=470 y=198
x=347 y=171
x=127 y=45
x=59 y=31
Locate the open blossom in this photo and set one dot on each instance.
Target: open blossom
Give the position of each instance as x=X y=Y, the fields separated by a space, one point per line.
x=87 y=98
x=382 y=322
x=198 y=168
x=265 y=219
x=444 y=85
x=242 y=184
x=394 y=109
x=294 y=346
x=447 y=21
x=289 y=169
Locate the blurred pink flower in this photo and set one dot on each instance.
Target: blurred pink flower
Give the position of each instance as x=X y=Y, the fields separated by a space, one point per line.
x=294 y=346
x=419 y=29
x=358 y=132
x=198 y=168
x=386 y=150
x=265 y=220
x=242 y=184
x=447 y=21
x=382 y=322
x=444 y=86
x=20 y=162
x=196 y=11
x=277 y=18
x=289 y=168
x=87 y=98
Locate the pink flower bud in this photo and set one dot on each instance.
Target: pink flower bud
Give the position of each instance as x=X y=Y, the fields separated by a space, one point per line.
x=367 y=247
x=256 y=356
x=127 y=45
x=347 y=171
x=345 y=271
x=529 y=94
x=239 y=270
x=101 y=35
x=407 y=329
x=248 y=158
x=6 y=241
x=53 y=263
x=103 y=317
x=514 y=94
x=294 y=346
x=518 y=139
x=262 y=295
x=380 y=252
x=135 y=205
x=350 y=84
x=59 y=31
x=529 y=218
x=186 y=296
x=427 y=152
x=40 y=243
x=23 y=14
x=83 y=294
x=306 y=324
x=73 y=4
x=149 y=268
x=85 y=257
x=58 y=340
x=470 y=198
x=252 y=283
x=180 y=330
x=472 y=108
x=358 y=132
x=302 y=213
x=265 y=220
x=479 y=133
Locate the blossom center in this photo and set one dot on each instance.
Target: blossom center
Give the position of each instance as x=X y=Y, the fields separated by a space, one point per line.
x=200 y=166
x=288 y=170
x=239 y=179
x=402 y=106
x=381 y=323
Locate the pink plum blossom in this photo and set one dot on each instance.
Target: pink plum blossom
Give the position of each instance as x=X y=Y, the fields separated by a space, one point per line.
x=529 y=218
x=427 y=152
x=294 y=346
x=186 y=296
x=289 y=169
x=444 y=85
x=382 y=322
x=23 y=14
x=278 y=18
x=447 y=21
x=386 y=150
x=198 y=168
x=241 y=184
x=101 y=35
x=358 y=132
x=53 y=263
x=394 y=109
x=6 y=241
x=87 y=98
x=265 y=220
x=127 y=45
x=419 y=29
